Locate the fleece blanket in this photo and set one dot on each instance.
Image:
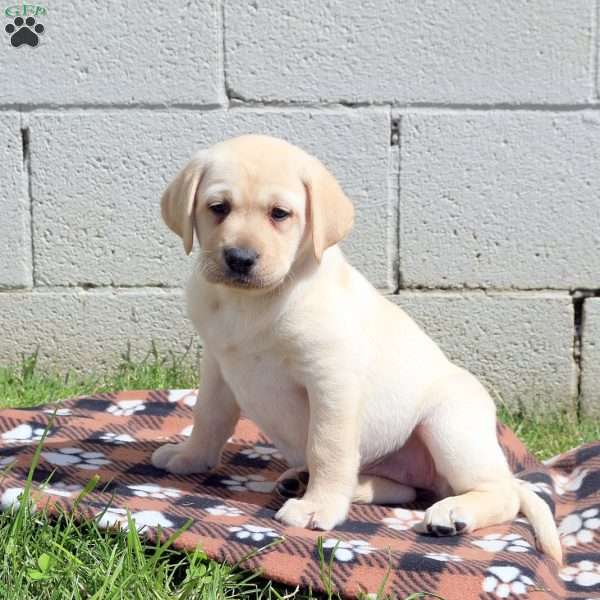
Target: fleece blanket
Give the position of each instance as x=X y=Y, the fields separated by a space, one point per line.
x=231 y=509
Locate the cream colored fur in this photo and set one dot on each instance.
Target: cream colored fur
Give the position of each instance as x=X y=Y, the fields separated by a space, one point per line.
x=334 y=374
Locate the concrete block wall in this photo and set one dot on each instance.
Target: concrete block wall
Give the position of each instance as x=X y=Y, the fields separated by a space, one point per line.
x=468 y=140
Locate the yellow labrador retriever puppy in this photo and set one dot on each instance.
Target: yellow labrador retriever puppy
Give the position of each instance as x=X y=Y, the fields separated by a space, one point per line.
x=342 y=381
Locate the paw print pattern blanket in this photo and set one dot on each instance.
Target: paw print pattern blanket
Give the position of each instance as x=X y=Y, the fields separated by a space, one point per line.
x=113 y=435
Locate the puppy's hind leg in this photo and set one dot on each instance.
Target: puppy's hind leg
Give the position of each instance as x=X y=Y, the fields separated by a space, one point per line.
x=292 y=483
x=460 y=433
x=370 y=489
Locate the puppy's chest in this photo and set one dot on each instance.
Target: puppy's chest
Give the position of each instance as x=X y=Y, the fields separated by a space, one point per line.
x=267 y=394
x=258 y=378
x=254 y=361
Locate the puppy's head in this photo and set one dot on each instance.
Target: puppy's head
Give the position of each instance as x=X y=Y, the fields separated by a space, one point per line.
x=257 y=204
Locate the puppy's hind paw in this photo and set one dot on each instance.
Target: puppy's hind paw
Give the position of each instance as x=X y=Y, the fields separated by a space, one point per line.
x=292 y=484
x=177 y=459
x=446 y=517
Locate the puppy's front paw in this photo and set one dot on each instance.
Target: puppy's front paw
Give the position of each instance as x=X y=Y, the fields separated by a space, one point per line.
x=323 y=515
x=180 y=459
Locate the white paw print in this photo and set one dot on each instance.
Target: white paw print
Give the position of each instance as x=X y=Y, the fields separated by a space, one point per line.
x=10 y=498
x=585 y=573
x=126 y=408
x=222 y=510
x=7 y=460
x=151 y=490
x=346 y=551
x=143 y=520
x=188 y=397
x=59 y=412
x=76 y=457
x=564 y=484
x=265 y=453
x=254 y=533
x=578 y=528
x=64 y=490
x=441 y=557
x=254 y=483
x=23 y=434
x=117 y=438
x=502 y=581
x=404 y=519
x=539 y=487
x=111 y=517
x=495 y=542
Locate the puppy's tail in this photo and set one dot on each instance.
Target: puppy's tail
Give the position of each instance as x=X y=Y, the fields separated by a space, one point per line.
x=541 y=518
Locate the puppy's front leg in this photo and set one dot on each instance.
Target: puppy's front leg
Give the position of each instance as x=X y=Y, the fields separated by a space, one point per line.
x=332 y=457
x=215 y=414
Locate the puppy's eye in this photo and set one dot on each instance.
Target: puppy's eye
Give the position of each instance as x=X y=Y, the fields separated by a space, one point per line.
x=280 y=214
x=221 y=209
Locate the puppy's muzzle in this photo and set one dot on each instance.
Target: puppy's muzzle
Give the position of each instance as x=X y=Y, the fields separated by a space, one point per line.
x=240 y=260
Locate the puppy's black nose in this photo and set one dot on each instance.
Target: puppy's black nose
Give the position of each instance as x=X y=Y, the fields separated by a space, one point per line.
x=240 y=260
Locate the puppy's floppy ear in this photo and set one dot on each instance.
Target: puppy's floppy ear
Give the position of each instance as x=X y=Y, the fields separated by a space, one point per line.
x=178 y=201
x=330 y=212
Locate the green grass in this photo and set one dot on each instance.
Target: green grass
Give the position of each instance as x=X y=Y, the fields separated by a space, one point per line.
x=546 y=437
x=53 y=557
x=45 y=557
x=26 y=385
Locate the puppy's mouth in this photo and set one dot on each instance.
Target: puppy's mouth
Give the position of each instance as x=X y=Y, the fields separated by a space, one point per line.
x=239 y=280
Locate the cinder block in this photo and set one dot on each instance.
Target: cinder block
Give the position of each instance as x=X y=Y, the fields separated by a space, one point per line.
x=118 y=52
x=590 y=358
x=15 y=231
x=98 y=177
x=519 y=345
x=90 y=331
x=500 y=199
x=597 y=57
x=410 y=51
